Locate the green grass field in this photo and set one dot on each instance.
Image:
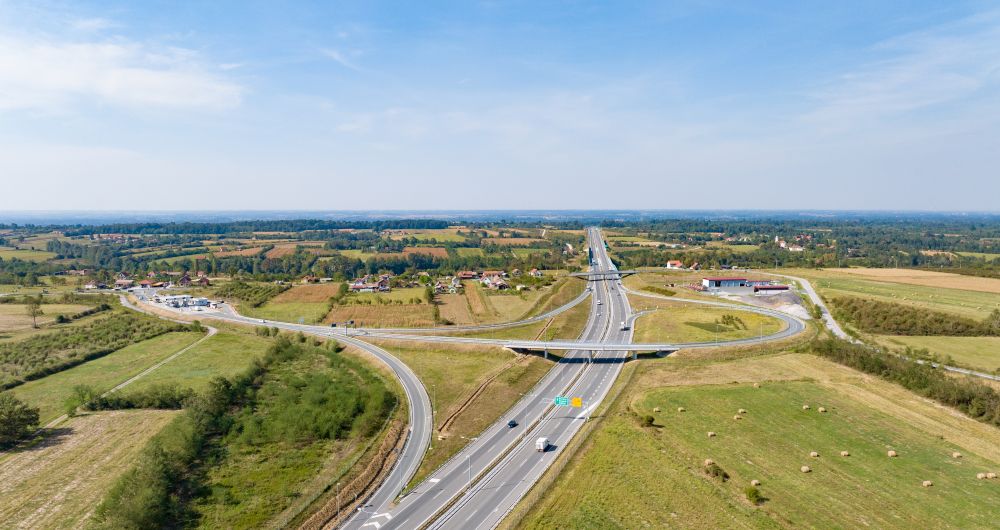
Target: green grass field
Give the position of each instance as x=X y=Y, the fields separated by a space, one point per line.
x=9 y=253
x=957 y=301
x=980 y=353
x=690 y=323
x=225 y=354
x=466 y=252
x=652 y=477
x=722 y=245
x=985 y=255
x=525 y=252
x=49 y=393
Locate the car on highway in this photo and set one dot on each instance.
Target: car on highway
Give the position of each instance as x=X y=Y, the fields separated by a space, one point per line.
x=600 y=302
x=512 y=423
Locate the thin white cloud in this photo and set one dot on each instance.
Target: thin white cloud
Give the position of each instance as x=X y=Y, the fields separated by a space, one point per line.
x=341 y=59
x=92 y=25
x=949 y=64
x=47 y=74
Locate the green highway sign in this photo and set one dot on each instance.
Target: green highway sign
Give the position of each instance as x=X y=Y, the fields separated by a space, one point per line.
x=561 y=401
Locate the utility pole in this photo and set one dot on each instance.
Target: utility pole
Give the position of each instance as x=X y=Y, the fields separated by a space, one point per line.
x=338 y=501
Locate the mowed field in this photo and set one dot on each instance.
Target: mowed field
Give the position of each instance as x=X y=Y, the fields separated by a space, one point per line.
x=306 y=302
x=58 y=483
x=438 y=234
x=980 y=353
x=928 y=278
x=452 y=374
x=976 y=304
x=15 y=316
x=9 y=253
x=630 y=476
x=684 y=323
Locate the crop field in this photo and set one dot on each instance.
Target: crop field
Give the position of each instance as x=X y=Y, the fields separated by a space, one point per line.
x=973 y=304
x=252 y=251
x=50 y=392
x=14 y=316
x=466 y=252
x=505 y=241
x=928 y=279
x=691 y=323
x=451 y=374
x=525 y=252
x=721 y=245
x=442 y=235
x=383 y=316
x=356 y=254
x=9 y=253
x=980 y=353
x=608 y=483
x=58 y=483
x=225 y=354
x=984 y=255
x=306 y=302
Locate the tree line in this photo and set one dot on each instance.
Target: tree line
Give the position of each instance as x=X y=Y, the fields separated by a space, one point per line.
x=887 y=318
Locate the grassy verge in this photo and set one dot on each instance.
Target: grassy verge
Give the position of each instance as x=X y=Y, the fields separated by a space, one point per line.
x=687 y=323
x=978 y=353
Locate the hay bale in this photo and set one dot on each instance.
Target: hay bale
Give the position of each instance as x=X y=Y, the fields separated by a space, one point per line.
x=814 y=454
x=956 y=454
x=755 y=482
x=656 y=409
x=892 y=454
x=737 y=417
x=805 y=469
x=981 y=476
x=756 y=385
x=680 y=409
x=822 y=409
x=708 y=462
x=711 y=434
x=741 y=411
x=991 y=475
x=927 y=484
x=845 y=453
x=805 y=407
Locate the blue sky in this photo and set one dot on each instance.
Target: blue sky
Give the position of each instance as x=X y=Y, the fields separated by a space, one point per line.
x=466 y=105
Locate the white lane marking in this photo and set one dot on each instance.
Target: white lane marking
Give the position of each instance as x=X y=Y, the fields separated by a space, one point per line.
x=435 y=480
x=386 y=515
x=373 y=523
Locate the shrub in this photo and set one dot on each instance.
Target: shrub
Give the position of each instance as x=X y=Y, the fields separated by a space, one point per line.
x=753 y=495
x=887 y=318
x=17 y=419
x=713 y=470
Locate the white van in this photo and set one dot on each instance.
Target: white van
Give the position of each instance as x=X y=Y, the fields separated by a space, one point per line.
x=541 y=444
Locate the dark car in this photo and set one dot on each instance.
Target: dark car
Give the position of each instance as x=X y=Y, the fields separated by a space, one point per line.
x=512 y=423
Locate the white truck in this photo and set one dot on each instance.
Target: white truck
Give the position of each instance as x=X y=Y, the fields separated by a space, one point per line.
x=624 y=325
x=541 y=444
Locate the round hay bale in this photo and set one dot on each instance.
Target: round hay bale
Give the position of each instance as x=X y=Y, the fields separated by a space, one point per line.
x=805 y=469
x=680 y=409
x=711 y=434
x=742 y=411
x=991 y=475
x=656 y=409
x=927 y=484
x=737 y=417
x=892 y=454
x=805 y=407
x=756 y=385
x=708 y=462
x=822 y=409
x=845 y=453
x=981 y=476
x=814 y=454
x=755 y=482
x=956 y=454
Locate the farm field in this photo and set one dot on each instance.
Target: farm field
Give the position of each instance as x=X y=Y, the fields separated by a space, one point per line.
x=928 y=278
x=505 y=241
x=225 y=354
x=721 y=245
x=50 y=392
x=9 y=253
x=306 y=302
x=607 y=484
x=437 y=252
x=465 y=252
x=980 y=353
x=383 y=316
x=58 y=483
x=13 y=316
x=356 y=254
x=451 y=374
x=973 y=304
x=690 y=323
x=442 y=235
x=984 y=255
x=525 y=252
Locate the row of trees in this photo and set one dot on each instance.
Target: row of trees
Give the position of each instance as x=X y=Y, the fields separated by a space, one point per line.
x=887 y=318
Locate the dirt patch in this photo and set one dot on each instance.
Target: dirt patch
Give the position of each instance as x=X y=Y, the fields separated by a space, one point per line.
x=403 y=316
x=307 y=293
x=58 y=483
x=928 y=278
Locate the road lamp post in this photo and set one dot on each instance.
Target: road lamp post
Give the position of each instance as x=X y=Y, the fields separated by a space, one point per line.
x=338 y=501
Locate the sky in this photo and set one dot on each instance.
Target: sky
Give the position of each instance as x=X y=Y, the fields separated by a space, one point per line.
x=500 y=105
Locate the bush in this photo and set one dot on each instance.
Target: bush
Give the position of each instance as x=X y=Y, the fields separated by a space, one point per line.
x=659 y=290
x=887 y=318
x=647 y=421
x=753 y=495
x=713 y=470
